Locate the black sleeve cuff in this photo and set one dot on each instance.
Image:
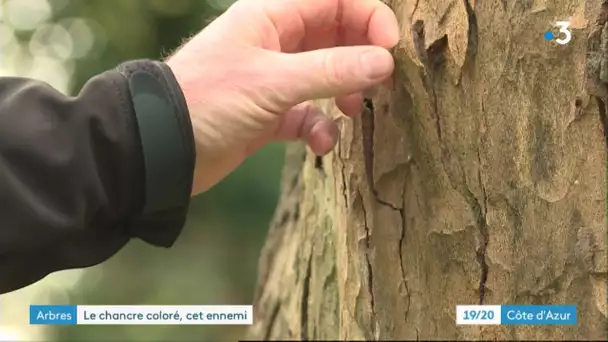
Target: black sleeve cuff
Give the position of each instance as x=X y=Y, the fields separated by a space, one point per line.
x=168 y=150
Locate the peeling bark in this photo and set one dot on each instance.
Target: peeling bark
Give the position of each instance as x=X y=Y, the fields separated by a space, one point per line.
x=480 y=178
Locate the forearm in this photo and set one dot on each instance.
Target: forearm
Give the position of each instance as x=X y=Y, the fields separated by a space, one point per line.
x=81 y=176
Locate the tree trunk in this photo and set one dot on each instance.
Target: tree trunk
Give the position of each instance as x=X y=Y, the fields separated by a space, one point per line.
x=480 y=178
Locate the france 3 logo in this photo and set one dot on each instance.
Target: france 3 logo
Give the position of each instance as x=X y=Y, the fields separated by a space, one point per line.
x=564 y=34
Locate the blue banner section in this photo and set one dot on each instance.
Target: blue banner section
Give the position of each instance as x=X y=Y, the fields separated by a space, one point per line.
x=53 y=314
x=538 y=314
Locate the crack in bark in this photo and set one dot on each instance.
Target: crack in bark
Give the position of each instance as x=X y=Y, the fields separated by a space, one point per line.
x=435 y=57
x=272 y=321
x=446 y=13
x=415 y=9
x=430 y=58
x=483 y=230
x=367 y=139
x=603 y=118
x=473 y=34
x=480 y=210
x=370 y=274
x=304 y=301
x=342 y=174
x=437 y=119
x=401 y=243
x=368 y=131
x=479 y=214
x=482 y=227
x=401 y=211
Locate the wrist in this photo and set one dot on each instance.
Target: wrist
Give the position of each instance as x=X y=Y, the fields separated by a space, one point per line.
x=203 y=165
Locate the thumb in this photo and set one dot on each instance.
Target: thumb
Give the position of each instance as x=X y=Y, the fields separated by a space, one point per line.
x=335 y=71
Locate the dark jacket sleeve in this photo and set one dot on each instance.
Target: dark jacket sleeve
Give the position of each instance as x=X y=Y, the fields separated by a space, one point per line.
x=80 y=176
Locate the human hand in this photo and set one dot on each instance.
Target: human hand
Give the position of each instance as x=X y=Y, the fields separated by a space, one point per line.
x=248 y=77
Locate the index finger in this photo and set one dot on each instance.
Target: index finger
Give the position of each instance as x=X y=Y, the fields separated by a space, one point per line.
x=314 y=24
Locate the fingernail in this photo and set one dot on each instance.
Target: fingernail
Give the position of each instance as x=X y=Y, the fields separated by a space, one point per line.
x=377 y=63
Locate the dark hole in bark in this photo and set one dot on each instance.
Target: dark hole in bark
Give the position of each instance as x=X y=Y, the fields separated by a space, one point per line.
x=603 y=118
x=319 y=163
x=367 y=102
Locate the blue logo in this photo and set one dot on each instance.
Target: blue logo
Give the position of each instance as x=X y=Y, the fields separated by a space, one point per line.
x=564 y=36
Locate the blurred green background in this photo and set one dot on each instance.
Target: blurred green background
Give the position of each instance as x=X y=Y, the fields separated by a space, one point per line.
x=215 y=260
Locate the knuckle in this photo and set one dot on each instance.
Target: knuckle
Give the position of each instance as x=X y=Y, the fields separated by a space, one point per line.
x=334 y=70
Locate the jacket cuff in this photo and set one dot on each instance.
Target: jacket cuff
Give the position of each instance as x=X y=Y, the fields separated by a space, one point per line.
x=167 y=143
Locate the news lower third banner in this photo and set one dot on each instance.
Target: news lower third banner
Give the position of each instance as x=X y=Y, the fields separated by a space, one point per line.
x=516 y=314
x=141 y=314
x=243 y=314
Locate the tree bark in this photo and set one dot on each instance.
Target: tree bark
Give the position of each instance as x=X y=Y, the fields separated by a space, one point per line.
x=479 y=178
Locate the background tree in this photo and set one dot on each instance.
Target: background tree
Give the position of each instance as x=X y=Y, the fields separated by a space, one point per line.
x=480 y=178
